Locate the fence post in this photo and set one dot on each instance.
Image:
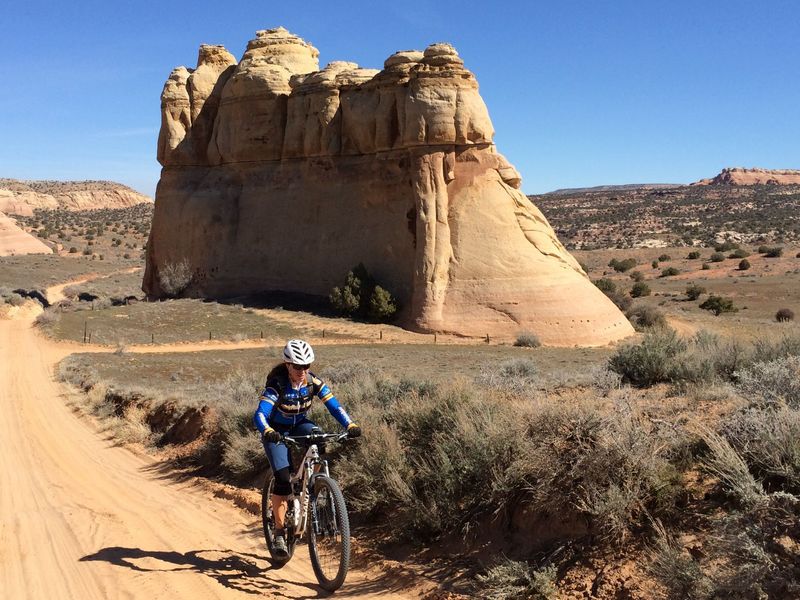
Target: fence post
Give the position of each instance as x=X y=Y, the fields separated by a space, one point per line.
x=152 y=338
x=434 y=338
x=209 y=335
x=262 y=334
x=323 y=334
x=84 y=331
x=487 y=338
x=381 y=336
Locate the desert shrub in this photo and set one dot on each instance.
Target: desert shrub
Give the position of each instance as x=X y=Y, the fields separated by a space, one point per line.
x=527 y=340
x=739 y=253
x=517 y=580
x=637 y=276
x=644 y=317
x=13 y=298
x=669 y=272
x=726 y=246
x=640 y=289
x=664 y=258
x=693 y=255
x=676 y=570
x=650 y=361
x=427 y=459
x=749 y=550
x=611 y=468
x=772 y=383
x=242 y=452
x=718 y=305
x=774 y=252
x=175 y=277
x=763 y=249
x=705 y=267
x=744 y=264
x=717 y=257
x=347 y=371
x=694 y=291
x=622 y=265
x=47 y=318
x=784 y=315
x=654 y=264
x=360 y=296
x=768 y=440
x=609 y=288
x=723 y=462
x=73 y=250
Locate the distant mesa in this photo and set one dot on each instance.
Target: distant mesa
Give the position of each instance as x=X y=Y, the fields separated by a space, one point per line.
x=23 y=197
x=279 y=176
x=741 y=176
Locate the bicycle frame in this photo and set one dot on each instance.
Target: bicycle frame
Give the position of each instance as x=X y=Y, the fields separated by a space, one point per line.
x=311 y=466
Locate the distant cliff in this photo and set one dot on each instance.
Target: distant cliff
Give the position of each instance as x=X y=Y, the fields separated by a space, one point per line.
x=22 y=197
x=741 y=176
x=279 y=176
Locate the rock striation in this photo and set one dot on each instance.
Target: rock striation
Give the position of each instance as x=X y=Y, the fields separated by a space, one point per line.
x=279 y=175
x=23 y=197
x=741 y=176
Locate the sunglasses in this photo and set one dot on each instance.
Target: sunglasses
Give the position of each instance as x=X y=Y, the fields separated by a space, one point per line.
x=300 y=367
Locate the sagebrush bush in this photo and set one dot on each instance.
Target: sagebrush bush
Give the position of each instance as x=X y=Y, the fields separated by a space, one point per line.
x=517 y=580
x=175 y=277
x=643 y=317
x=676 y=570
x=768 y=440
x=637 y=276
x=784 y=315
x=693 y=255
x=694 y=291
x=717 y=257
x=774 y=252
x=650 y=361
x=744 y=264
x=622 y=265
x=724 y=462
x=718 y=305
x=526 y=339
x=669 y=272
x=772 y=383
x=640 y=289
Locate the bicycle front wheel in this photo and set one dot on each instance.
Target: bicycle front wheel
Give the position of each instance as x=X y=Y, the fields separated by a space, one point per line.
x=329 y=534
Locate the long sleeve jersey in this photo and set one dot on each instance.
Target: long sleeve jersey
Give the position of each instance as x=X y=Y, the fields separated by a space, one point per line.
x=280 y=404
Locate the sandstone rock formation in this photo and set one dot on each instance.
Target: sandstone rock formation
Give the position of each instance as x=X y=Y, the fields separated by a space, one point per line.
x=22 y=197
x=307 y=172
x=15 y=241
x=740 y=176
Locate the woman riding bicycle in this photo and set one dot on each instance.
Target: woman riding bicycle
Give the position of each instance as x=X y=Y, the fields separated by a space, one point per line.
x=282 y=408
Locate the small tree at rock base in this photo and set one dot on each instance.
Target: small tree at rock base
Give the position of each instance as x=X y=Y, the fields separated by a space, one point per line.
x=361 y=297
x=719 y=305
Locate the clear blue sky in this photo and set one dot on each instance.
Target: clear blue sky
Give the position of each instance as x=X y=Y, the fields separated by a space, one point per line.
x=581 y=93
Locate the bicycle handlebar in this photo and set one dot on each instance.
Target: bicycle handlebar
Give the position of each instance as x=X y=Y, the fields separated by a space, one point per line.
x=314 y=438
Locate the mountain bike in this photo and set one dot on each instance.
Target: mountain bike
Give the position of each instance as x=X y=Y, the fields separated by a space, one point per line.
x=316 y=506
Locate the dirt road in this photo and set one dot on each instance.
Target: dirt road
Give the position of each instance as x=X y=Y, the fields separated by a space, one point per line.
x=81 y=518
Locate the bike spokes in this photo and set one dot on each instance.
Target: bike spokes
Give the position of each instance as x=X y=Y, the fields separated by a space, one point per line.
x=329 y=534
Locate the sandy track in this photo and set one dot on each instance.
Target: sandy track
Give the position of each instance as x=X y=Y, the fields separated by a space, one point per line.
x=82 y=518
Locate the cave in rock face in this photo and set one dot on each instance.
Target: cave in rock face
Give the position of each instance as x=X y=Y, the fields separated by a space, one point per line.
x=279 y=176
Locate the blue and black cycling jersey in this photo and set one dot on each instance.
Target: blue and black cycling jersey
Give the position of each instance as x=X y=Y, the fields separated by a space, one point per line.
x=280 y=406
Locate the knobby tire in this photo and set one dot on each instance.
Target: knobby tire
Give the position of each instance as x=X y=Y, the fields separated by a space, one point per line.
x=329 y=534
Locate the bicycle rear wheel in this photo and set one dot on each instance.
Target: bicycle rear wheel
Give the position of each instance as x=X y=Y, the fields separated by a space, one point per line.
x=269 y=524
x=329 y=534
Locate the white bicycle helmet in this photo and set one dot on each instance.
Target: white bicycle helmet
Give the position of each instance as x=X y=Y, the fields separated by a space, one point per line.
x=298 y=352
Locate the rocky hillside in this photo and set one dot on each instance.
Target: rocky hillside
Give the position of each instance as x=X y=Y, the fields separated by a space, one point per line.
x=23 y=197
x=657 y=215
